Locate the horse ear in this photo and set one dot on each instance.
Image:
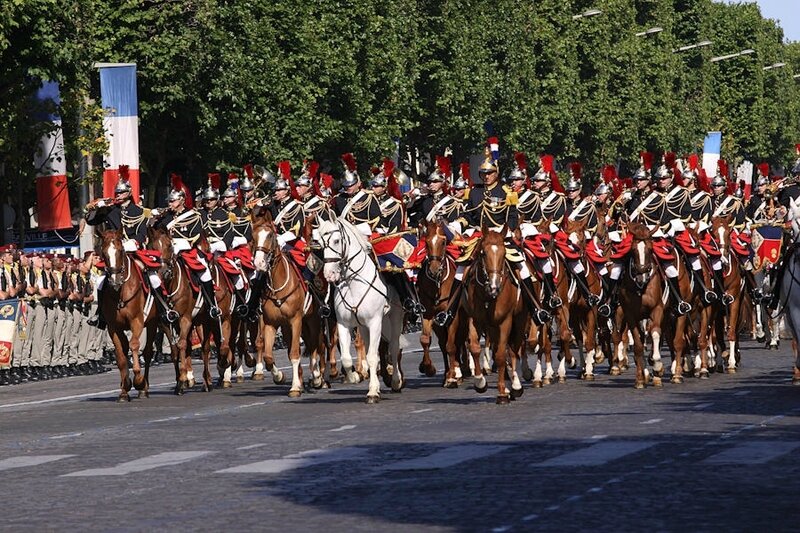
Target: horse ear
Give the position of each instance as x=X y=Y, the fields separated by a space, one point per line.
x=505 y=229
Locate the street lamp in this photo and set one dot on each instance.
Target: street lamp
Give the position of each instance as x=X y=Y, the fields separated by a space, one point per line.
x=692 y=46
x=586 y=14
x=774 y=65
x=731 y=56
x=650 y=31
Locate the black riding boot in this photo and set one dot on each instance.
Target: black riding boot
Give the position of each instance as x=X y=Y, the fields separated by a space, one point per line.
x=709 y=297
x=444 y=318
x=208 y=292
x=683 y=307
x=162 y=301
x=539 y=315
x=550 y=292
x=256 y=286
x=609 y=307
x=719 y=285
x=591 y=298
x=241 y=303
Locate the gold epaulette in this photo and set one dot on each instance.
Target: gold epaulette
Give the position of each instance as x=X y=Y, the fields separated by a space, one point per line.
x=232 y=217
x=146 y=212
x=511 y=197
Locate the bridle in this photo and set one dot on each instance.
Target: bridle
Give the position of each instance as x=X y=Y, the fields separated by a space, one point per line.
x=645 y=270
x=489 y=272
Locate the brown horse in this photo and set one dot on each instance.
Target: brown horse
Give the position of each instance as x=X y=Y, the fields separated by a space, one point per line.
x=286 y=304
x=122 y=305
x=494 y=307
x=435 y=283
x=734 y=286
x=193 y=311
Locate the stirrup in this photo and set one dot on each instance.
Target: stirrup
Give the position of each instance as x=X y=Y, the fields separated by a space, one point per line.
x=710 y=297
x=727 y=299
x=541 y=317
x=684 y=308
x=93 y=320
x=592 y=299
x=555 y=301
x=171 y=316
x=443 y=318
x=214 y=311
x=604 y=310
x=409 y=306
x=242 y=310
x=325 y=311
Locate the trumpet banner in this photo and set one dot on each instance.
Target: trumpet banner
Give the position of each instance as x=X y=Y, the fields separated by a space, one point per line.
x=766 y=242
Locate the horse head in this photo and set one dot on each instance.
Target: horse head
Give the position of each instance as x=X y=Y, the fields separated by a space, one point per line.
x=264 y=239
x=642 y=258
x=721 y=230
x=114 y=257
x=435 y=244
x=493 y=259
x=331 y=238
x=576 y=232
x=158 y=239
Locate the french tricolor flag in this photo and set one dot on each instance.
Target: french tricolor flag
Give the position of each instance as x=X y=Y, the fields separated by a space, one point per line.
x=712 y=146
x=52 y=196
x=119 y=99
x=494 y=148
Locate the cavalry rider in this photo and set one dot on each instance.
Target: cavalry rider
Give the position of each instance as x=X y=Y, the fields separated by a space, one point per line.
x=580 y=210
x=492 y=206
x=757 y=205
x=436 y=203
x=648 y=207
x=185 y=227
x=252 y=194
x=121 y=213
x=357 y=206
x=678 y=213
x=288 y=218
x=219 y=228
x=461 y=188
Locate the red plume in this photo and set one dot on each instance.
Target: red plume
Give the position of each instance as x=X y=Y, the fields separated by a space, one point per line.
x=374 y=170
x=609 y=174
x=646 y=160
x=349 y=161
x=797 y=149
x=445 y=166
x=763 y=169
x=214 y=180
x=123 y=173
x=693 y=161
x=285 y=170
x=576 y=169
x=669 y=159
x=702 y=180
x=392 y=187
x=313 y=169
x=466 y=175
x=327 y=181
x=722 y=166
x=522 y=162
x=248 y=170
x=388 y=169
x=179 y=185
x=677 y=175
x=547 y=162
x=731 y=188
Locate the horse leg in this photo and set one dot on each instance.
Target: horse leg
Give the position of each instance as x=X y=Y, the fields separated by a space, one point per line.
x=702 y=342
x=232 y=339
x=474 y=341
x=589 y=344
x=343 y=332
x=372 y=339
x=426 y=366
x=137 y=328
x=295 y=330
x=362 y=366
x=678 y=347
x=121 y=353
x=501 y=360
x=147 y=353
x=182 y=348
x=269 y=360
x=332 y=342
x=733 y=334
x=205 y=349
x=638 y=355
x=261 y=349
x=655 y=336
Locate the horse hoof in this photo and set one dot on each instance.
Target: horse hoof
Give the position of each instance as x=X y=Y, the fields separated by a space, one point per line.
x=249 y=360
x=481 y=390
x=547 y=381
x=138 y=382
x=761 y=339
x=562 y=379
x=123 y=398
x=317 y=383
x=191 y=383
x=143 y=394
x=588 y=377
x=127 y=384
x=623 y=367
x=255 y=377
x=516 y=393
x=657 y=381
x=373 y=400
x=294 y=393
x=703 y=373
x=178 y=391
x=795 y=381
x=428 y=370
x=503 y=400
x=730 y=370
x=676 y=380
x=240 y=379
x=638 y=384
x=208 y=387
x=537 y=384
x=599 y=358
x=614 y=371
x=280 y=379
x=226 y=385
x=527 y=375
x=451 y=384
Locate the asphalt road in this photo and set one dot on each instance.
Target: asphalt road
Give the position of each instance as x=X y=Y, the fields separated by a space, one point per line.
x=701 y=456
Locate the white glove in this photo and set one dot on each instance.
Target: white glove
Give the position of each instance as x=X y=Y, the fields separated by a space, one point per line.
x=528 y=230
x=286 y=237
x=676 y=226
x=129 y=245
x=364 y=229
x=101 y=203
x=155 y=212
x=553 y=228
x=455 y=227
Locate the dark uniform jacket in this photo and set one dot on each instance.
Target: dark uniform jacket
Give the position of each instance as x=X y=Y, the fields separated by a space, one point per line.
x=492 y=207
x=218 y=226
x=365 y=208
x=288 y=216
x=131 y=219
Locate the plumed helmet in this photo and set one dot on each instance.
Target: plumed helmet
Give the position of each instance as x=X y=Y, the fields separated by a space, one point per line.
x=663 y=172
x=640 y=175
x=573 y=185
x=232 y=190
x=739 y=193
x=212 y=191
x=350 y=171
x=247 y=184
x=463 y=181
x=603 y=188
x=719 y=181
x=178 y=188
x=378 y=179
x=281 y=185
x=308 y=174
x=762 y=180
x=124 y=184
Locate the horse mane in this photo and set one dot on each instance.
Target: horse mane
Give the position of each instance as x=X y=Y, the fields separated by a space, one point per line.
x=639 y=231
x=493 y=237
x=353 y=232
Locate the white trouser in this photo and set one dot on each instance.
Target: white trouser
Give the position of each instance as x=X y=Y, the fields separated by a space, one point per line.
x=576 y=267
x=616 y=271
x=206 y=275
x=524 y=272
x=696 y=264
x=155 y=280
x=545 y=265
x=671 y=271
x=460 y=272
x=716 y=263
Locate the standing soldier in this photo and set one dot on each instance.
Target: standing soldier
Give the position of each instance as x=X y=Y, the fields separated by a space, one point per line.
x=60 y=317
x=8 y=290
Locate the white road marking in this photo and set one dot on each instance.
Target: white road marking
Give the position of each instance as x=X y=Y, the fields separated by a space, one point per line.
x=595 y=438
x=252 y=446
x=501 y=529
x=343 y=428
x=29 y=460
x=66 y=436
x=141 y=465
x=448 y=457
x=295 y=461
x=742 y=393
x=421 y=411
x=530 y=517
x=76 y=396
x=598 y=454
x=700 y=406
x=652 y=421
x=755 y=452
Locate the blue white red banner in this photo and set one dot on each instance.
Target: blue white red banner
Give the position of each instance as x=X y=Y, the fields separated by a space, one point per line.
x=9 y=309
x=52 y=196
x=120 y=100
x=712 y=148
x=766 y=241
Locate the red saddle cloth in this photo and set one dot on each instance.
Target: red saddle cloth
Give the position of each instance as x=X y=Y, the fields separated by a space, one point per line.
x=421 y=252
x=538 y=245
x=622 y=248
x=740 y=244
x=149 y=258
x=567 y=247
x=595 y=254
x=243 y=254
x=189 y=258
x=663 y=249
x=686 y=243
x=297 y=252
x=709 y=245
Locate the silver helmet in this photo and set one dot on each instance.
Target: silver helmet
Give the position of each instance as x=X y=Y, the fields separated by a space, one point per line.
x=123 y=185
x=177 y=190
x=212 y=191
x=640 y=175
x=718 y=181
x=176 y=194
x=688 y=175
x=351 y=176
x=573 y=185
x=232 y=190
x=603 y=188
x=762 y=180
x=378 y=180
x=663 y=172
x=739 y=193
x=281 y=185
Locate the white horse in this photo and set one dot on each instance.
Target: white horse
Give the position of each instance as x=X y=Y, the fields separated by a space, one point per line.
x=361 y=300
x=790 y=287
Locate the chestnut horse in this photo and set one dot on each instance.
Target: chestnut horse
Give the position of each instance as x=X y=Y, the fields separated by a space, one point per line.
x=122 y=305
x=734 y=286
x=193 y=311
x=286 y=304
x=493 y=306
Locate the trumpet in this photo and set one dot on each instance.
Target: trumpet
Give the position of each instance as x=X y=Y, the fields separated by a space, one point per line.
x=100 y=202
